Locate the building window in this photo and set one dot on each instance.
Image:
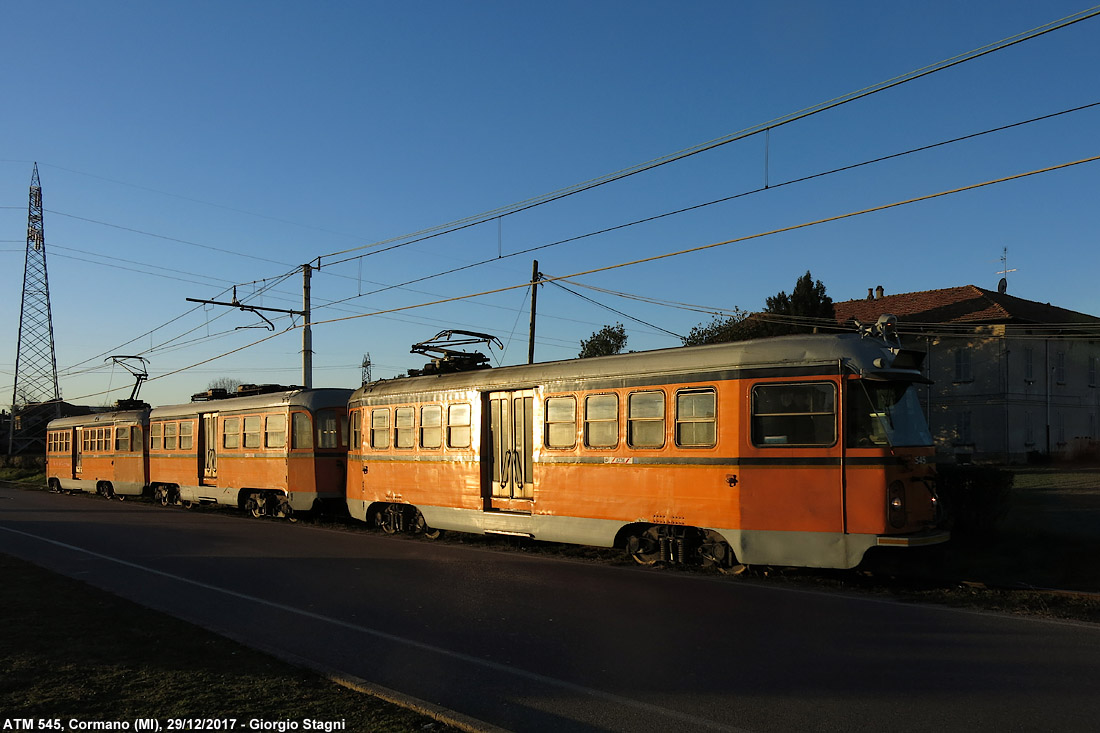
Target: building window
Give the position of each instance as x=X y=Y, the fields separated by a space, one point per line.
x=601 y=420
x=1029 y=364
x=1029 y=429
x=696 y=418
x=458 y=426
x=252 y=432
x=1061 y=429
x=431 y=426
x=403 y=427
x=1060 y=367
x=275 y=431
x=645 y=427
x=379 y=429
x=794 y=414
x=301 y=435
x=962 y=428
x=186 y=435
x=1092 y=371
x=962 y=365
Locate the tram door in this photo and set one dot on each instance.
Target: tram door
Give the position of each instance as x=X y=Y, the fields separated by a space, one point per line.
x=208 y=447
x=78 y=452
x=511 y=450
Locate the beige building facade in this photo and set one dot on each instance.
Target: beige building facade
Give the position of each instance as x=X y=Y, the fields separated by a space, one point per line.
x=1014 y=380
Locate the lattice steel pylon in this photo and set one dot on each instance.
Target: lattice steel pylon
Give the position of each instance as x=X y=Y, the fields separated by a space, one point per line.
x=36 y=398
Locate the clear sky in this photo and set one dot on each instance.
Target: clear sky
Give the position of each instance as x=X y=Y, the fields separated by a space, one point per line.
x=185 y=147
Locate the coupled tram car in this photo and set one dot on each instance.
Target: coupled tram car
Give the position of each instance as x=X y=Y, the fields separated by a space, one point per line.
x=797 y=450
x=267 y=449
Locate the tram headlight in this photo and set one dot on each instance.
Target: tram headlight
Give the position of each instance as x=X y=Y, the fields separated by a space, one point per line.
x=895 y=505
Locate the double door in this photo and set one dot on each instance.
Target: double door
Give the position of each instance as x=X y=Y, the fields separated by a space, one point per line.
x=510 y=442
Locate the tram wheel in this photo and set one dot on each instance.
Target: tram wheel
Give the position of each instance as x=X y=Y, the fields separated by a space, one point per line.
x=645 y=548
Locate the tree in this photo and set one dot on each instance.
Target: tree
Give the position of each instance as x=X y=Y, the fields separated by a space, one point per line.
x=227 y=383
x=807 y=300
x=605 y=342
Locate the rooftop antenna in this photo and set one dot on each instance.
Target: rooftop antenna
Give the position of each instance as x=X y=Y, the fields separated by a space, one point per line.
x=1002 y=285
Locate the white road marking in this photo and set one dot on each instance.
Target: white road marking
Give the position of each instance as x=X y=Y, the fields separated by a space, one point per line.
x=393 y=638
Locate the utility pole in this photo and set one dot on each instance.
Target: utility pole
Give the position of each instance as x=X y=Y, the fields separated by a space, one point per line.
x=36 y=398
x=534 y=300
x=307 y=331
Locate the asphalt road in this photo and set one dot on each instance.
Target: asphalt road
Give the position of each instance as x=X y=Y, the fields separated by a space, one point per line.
x=532 y=643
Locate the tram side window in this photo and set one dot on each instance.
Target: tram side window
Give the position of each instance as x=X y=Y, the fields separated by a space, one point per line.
x=155 y=431
x=431 y=426
x=380 y=428
x=231 y=432
x=170 y=429
x=646 y=420
x=137 y=439
x=252 y=431
x=458 y=426
x=301 y=435
x=328 y=432
x=794 y=414
x=696 y=418
x=561 y=422
x=355 y=426
x=403 y=427
x=275 y=431
x=186 y=435
x=601 y=420
x=122 y=440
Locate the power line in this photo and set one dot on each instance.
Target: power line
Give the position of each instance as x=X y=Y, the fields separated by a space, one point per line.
x=727 y=139
x=654 y=258
x=725 y=199
x=613 y=310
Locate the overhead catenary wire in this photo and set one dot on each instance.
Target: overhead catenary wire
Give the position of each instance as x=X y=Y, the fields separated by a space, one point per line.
x=724 y=199
x=802 y=114
x=613 y=310
x=653 y=258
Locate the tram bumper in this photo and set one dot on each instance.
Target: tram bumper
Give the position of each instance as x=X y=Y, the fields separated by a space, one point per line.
x=915 y=539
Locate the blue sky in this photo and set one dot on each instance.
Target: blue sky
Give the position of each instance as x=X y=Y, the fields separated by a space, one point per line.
x=230 y=142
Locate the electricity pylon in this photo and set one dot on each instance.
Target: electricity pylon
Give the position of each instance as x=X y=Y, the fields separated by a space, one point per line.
x=36 y=398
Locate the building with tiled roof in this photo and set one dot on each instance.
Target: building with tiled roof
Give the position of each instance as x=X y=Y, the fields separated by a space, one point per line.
x=1012 y=378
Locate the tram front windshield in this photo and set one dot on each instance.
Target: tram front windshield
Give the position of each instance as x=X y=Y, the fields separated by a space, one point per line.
x=885 y=414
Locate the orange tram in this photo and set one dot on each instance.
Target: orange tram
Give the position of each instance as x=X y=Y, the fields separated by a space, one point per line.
x=797 y=450
x=268 y=449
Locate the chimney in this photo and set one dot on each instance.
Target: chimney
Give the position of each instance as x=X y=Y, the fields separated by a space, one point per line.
x=870 y=293
x=878 y=292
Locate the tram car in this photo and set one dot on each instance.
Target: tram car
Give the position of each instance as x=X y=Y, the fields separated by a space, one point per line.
x=268 y=449
x=102 y=452
x=796 y=450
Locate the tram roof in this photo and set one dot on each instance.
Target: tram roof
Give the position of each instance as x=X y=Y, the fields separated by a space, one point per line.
x=113 y=417
x=858 y=354
x=310 y=399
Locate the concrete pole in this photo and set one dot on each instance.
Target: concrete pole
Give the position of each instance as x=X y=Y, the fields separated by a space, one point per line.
x=534 y=300
x=307 y=332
